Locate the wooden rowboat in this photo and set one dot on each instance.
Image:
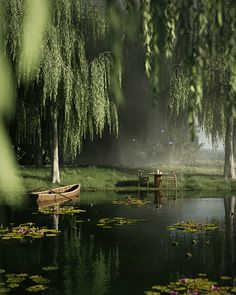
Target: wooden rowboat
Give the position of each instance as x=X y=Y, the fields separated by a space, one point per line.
x=67 y=192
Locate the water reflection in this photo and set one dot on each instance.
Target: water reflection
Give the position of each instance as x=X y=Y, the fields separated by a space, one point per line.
x=229 y=204
x=87 y=265
x=158 y=199
x=125 y=259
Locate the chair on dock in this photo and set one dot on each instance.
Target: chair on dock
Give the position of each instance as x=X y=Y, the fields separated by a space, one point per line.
x=171 y=181
x=142 y=179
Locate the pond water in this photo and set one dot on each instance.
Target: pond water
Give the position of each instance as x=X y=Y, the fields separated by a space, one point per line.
x=126 y=259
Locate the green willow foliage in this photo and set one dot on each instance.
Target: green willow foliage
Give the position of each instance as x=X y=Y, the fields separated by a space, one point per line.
x=151 y=34
x=213 y=118
x=198 y=38
x=72 y=78
x=179 y=93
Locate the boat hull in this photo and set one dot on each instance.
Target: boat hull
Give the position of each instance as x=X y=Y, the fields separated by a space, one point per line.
x=68 y=192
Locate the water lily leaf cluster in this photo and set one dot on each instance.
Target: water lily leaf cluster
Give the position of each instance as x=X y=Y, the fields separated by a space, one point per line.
x=14 y=280
x=131 y=201
x=192 y=226
x=116 y=221
x=26 y=230
x=196 y=286
x=60 y=210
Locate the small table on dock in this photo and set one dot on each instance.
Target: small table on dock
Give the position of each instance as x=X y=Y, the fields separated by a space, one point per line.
x=157 y=178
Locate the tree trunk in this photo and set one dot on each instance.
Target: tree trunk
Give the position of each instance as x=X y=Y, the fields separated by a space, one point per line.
x=234 y=139
x=229 y=167
x=55 y=173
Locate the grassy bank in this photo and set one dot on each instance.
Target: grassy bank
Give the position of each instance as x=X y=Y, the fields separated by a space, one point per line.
x=195 y=178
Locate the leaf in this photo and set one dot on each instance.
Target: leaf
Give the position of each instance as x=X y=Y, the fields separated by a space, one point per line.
x=35 y=23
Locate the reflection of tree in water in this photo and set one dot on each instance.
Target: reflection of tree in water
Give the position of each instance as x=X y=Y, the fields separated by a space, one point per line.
x=229 y=204
x=86 y=264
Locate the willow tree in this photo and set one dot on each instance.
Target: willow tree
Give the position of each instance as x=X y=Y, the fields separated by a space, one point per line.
x=32 y=23
x=197 y=36
x=71 y=86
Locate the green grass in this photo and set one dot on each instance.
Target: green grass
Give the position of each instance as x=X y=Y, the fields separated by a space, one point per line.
x=194 y=178
x=91 y=178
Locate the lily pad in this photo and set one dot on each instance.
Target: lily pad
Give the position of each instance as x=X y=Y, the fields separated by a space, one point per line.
x=27 y=230
x=60 y=210
x=82 y=220
x=189 y=255
x=2 y=270
x=36 y=288
x=13 y=285
x=117 y=221
x=202 y=275
x=39 y=280
x=131 y=201
x=195 y=286
x=192 y=227
x=50 y=268
x=225 y=278
x=15 y=280
x=157 y=287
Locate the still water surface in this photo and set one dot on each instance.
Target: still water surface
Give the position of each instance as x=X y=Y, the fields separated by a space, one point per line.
x=124 y=259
